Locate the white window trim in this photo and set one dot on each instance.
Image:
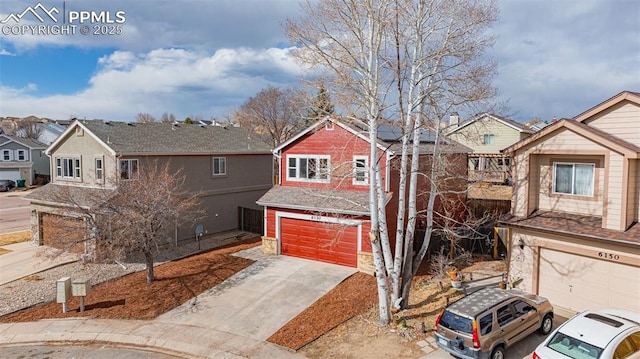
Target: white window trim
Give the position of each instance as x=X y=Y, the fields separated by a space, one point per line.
x=7 y=152
x=75 y=170
x=24 y=153
x=95 y=164
x=489 y=135
x=593 y=179
x=130 y=161
x=316 y=157
x=213 y=167
x=366 y=170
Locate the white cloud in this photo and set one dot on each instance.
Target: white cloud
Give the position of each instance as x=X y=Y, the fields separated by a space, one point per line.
x=559 y=58
x=173 y=80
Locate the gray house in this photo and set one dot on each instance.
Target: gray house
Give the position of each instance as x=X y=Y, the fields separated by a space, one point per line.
x=229 y=169
x=22 y=158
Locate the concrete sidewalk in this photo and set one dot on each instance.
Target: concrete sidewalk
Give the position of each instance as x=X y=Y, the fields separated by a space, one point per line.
x=26 y=259
x=179 y=340
x=231 y=320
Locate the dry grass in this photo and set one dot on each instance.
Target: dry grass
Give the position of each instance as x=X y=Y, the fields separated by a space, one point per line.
x=15 y=237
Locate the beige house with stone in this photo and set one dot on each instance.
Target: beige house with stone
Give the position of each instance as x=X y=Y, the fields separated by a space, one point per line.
x=574 y=232
x=487 y=134
x=226 y=168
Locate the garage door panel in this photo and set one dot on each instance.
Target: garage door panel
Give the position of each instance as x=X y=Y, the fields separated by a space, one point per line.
x=578 y=283
x=326 y=242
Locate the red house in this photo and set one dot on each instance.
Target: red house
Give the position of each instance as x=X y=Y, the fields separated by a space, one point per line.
x=319 y=208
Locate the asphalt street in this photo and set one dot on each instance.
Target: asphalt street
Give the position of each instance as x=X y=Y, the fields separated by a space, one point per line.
x=14 y=212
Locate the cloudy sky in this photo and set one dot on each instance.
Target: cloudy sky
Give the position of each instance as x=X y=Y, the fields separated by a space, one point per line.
x=556 y=58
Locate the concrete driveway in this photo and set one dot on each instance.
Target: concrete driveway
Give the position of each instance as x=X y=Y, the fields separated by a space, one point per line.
x=259 y=300
x=26 y=259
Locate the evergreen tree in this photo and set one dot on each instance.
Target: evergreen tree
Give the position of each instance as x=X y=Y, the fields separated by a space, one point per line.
x=321 y=107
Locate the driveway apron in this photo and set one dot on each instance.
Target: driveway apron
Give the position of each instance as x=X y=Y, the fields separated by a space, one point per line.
x=262 y=298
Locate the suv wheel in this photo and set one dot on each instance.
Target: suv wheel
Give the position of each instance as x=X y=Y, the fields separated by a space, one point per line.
x=498 y=353
x=547 y=325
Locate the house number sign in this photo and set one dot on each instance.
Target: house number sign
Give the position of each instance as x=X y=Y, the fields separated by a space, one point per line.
x=610 y=256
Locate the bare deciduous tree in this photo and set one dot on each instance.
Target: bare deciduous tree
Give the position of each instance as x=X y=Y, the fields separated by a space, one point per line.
x=145 y=118
x=29 y=129
x=168 y=118
x=128 y=217
x=273 y=114
x=414 y=60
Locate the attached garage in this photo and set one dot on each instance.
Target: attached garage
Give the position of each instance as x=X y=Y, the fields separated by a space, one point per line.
x=10 y=174
x=577 y=282
x=322 y=241
x=62 y=232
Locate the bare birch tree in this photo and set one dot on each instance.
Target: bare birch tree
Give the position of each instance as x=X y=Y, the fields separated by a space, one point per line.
x=430 y=55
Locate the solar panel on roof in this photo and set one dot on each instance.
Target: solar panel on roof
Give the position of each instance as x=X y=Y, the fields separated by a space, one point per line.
x=389 y=133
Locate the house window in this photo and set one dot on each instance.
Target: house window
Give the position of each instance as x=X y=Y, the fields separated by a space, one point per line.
x=308 y=168
x=6 y=155
x=68 y=167
x=128 y=169
x=99 y=169
x=489 y=139
x=22 y=155
x=219 y=166
x=573 y=178
x=360 y=170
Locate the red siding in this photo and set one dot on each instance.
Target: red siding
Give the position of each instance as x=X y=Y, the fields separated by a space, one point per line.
x=338 y=143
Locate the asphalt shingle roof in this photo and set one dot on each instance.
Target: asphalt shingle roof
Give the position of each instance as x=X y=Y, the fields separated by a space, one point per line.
x=573 y=224
x=29 y=142
x=167 y=138
x=318 y=200
x=69 y=195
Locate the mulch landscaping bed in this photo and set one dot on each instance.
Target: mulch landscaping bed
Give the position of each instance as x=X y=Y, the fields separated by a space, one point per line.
x=130 y=297
x=355 y=295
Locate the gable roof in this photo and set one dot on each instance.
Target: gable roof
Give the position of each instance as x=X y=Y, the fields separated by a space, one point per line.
x=157 y=138
x=622 y=96
x=319 y=124
x=505 y=121
x=596 y=135
x=389 y=137
x=27 y=142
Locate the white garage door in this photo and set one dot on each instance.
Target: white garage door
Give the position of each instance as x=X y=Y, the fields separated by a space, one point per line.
x=10 y=174
x=578 y=283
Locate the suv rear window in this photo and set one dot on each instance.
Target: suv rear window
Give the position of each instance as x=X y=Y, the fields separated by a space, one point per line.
x=455 y=322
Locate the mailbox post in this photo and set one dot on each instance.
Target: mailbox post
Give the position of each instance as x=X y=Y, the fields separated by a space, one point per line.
x=80 y=288
x=63 y=292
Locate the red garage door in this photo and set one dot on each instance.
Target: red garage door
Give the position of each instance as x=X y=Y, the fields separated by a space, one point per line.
x=325 y=242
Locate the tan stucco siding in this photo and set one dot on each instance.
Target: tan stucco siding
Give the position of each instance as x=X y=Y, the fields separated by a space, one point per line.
x=567 y=141
x=621 y=120
x=88 y=149
x=473 y=135
x=613 y=218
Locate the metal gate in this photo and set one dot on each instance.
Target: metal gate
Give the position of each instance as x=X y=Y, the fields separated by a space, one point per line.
x=251 y=220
